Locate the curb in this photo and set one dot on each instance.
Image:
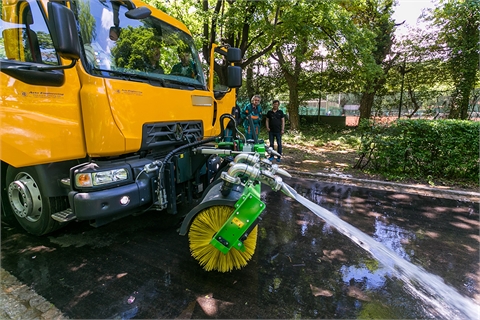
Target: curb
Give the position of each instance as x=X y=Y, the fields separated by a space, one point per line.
x=18 y=301
x=422 y=190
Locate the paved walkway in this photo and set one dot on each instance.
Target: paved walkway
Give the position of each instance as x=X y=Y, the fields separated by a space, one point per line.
x=18 y=301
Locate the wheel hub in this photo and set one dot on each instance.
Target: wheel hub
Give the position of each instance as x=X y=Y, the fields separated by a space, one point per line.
x=25 y=197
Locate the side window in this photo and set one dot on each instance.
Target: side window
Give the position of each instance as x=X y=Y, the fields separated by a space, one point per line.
x=24 y=34
x=219 y=80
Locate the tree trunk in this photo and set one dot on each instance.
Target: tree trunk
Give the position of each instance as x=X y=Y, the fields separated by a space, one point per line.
x=293 y=108
x=454 y=112
x=292 y=79
x=249 y=84
x=459 y=106
x=416 y=106
x=366 y=103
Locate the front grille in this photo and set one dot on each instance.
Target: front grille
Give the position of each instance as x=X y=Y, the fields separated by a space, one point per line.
x=159 y=134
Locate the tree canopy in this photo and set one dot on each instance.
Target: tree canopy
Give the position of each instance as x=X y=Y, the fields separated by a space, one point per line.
x=298 y=51
x=458 y=25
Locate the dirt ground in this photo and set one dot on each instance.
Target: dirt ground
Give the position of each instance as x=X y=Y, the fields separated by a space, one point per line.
x=330 y=159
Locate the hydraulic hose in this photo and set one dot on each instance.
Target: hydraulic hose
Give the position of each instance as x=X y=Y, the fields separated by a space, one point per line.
x=254 y=134
x=188 y=145
x=222 y=128
x=161 y=188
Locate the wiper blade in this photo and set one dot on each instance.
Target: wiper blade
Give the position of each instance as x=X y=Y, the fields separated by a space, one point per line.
x=182 y=84
x=115 y=72
x=134 y=76
x=170 y=83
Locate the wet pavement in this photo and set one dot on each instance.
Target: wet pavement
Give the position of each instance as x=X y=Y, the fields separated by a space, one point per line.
x=139 y=267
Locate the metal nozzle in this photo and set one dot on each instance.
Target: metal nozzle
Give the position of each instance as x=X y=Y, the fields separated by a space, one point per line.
x=277 y=169
x=272 y=152
x=257 y=169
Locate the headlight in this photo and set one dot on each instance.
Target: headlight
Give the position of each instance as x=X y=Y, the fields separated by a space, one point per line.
x=90 y=179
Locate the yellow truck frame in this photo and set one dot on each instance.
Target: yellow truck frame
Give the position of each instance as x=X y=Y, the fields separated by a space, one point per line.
x=86 y=132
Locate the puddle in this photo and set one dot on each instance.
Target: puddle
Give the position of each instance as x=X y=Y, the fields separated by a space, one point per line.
x=388 y=246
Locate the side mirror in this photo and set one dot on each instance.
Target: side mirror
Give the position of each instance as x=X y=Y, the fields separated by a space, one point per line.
x=234 y=77
x=234 y=55
x=63 y=29
x=138 y=13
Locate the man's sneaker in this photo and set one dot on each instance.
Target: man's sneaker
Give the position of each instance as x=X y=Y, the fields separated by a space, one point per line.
x=271 y=158
x=278 y=160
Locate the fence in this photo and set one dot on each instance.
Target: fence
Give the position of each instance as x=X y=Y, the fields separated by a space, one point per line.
x=385 y=109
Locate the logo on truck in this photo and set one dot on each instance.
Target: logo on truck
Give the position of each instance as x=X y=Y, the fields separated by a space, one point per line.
x=178 y=132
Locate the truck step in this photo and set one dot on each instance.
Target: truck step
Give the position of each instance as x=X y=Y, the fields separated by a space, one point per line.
x=64 y=216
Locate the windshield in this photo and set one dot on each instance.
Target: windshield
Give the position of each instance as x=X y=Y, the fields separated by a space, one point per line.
x=149 y=49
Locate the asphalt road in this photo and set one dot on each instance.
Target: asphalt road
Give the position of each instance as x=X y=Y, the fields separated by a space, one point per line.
x=139 y=267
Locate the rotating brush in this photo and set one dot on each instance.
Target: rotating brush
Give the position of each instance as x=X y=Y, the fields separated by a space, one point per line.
x=204 y=227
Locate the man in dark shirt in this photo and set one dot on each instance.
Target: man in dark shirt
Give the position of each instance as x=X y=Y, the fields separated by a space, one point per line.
x=276 y=127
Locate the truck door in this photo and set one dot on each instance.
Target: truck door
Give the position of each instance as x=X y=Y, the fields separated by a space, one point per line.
x=39 y=109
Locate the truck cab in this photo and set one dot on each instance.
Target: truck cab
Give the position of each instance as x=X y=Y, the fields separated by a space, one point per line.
x=102 y=105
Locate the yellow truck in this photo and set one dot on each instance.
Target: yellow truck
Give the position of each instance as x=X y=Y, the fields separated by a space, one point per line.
x=102 y=104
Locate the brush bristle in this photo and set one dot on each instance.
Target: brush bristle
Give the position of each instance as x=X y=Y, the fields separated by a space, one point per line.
x=204 y=227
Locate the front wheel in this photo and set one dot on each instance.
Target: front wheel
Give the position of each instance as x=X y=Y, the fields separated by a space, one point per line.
x=29 y=202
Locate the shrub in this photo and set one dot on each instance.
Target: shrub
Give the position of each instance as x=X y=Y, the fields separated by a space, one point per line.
x=319 y=135
x=445 y=149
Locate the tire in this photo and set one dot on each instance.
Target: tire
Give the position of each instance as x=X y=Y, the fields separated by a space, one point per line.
x=29 y=203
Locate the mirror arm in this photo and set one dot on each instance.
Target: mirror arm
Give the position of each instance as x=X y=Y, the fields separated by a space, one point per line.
x=44 y=67
x=221 y=50
x=71 y=65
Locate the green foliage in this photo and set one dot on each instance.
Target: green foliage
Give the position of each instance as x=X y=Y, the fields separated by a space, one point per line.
x=44 y=40
x=134 y=49
x=86 y=22
x=425 y=149
x=376 y=16
x=3 y=54
x=376 y=310
x=187 y=11
x=459 y=25
x=342 y=46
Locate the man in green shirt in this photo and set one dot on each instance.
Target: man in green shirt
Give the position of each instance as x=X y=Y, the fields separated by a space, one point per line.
x=186 y=66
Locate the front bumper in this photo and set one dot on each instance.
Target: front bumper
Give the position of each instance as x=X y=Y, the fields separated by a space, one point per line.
x=112 y=202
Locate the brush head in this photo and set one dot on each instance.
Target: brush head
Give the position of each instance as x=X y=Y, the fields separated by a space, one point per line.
x=204 y=226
